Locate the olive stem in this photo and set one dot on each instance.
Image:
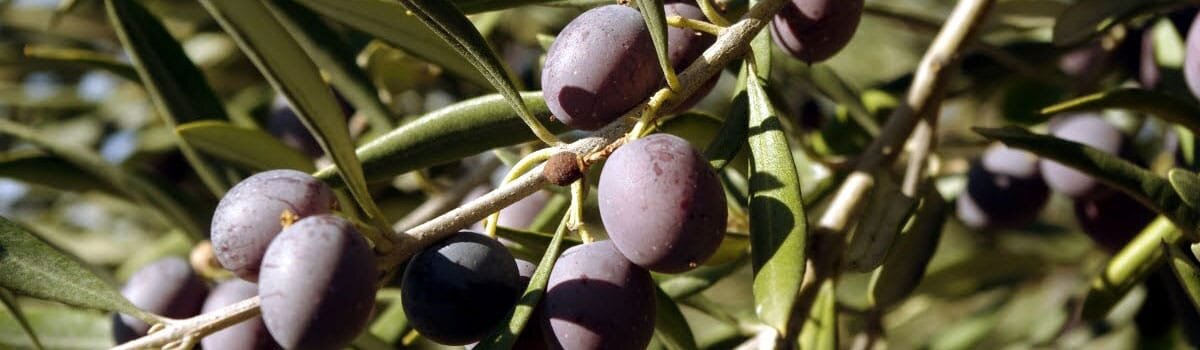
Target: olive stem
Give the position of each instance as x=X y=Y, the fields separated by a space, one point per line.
x=578 y=196
x=196 y=327
x=710 y=12
x=699 y=26
x=731 y=44
x=650 y=113
x=523 y=166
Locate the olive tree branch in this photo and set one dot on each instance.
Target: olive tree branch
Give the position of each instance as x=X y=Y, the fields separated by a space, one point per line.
x=930 y=77
x=921 y=100
x=733 y=43
x=189 y=331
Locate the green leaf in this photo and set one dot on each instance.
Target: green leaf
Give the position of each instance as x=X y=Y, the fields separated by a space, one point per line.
x=141 y=190
x=10 y=303
x=336 y=58
x=1084 y=20
x=61 y=327
x=830 y=84
x=1166 y=107
x=460 y=130
x=179 y=90
x=656 y=21
x=506 y=334
x=1187 y=186
x=453 y=26
x=778 y=225
x=248 y=148
x=692 y=282
x=1129 y=267
x=670 y=328
x=391 y=23
x=285 y=65
x=61 y=57
x=821 y=329
x=50 y=171
x=902 y=271
x=1110 y=169
x=733 y=132
x=1186 y=271
x=31 y=267
x=881 y=221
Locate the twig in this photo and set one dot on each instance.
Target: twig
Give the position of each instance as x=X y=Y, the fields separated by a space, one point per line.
x=927 y=83
x=929 y=78
x=731 y=44
x=447 y=199
x=194 y=328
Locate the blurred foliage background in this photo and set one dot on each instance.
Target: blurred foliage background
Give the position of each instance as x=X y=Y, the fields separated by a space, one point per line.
x=64 y=73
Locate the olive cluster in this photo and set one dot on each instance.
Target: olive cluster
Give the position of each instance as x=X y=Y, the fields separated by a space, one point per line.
x=276 y=231
x=1006 y=188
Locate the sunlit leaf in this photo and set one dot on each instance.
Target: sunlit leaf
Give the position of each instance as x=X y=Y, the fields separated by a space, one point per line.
x=391 y=22
x=31 y=267
x=58 y=58
x=248 y=148
x=179 y=90
x=336 y=58
x=1186 y=271
x=289 y=70
x=453 y=26
x=692 y=282
x=1187 y=186
x=656 y=21
x=778 y=226
x=457 y=131
x=820 y=330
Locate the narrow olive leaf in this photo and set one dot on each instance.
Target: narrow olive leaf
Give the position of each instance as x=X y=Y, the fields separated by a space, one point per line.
x=1139 y=183
x=821 y=329
x=656 y=21
x=289 y=70
x=506 y=334
x=902 y=271
x=61 y=327
x=453 y=26
x=882 y=220
x=1166 y=107
x=1129 y=267
x=687 y=284
x=734 y=130
x=51 y=171
x=1187 y=186
x=167 y=208
x=1186 y=271
x=10 y=303
x=390 y=22
x=778 y=225
x=59 y=57
x=477 y=6
x=1084 y=20
x=335 y=57
x=460 y=130
x=31 y=267
x=670 y=328
x=179 y=90
x=247 y=148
